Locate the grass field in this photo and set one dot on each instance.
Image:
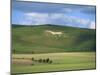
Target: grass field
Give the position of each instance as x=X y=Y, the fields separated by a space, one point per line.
x=60 y=62
x=34 y=50
x=34 y=39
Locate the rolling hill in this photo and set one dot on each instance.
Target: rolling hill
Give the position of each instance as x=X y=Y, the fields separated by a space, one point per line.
x=35 y=39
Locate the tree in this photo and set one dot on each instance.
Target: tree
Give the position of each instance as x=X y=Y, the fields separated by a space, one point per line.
x=40 y=60
x=44 y=60
x=47 y=60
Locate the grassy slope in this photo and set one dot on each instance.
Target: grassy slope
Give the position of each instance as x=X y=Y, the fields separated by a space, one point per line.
x=33 y=39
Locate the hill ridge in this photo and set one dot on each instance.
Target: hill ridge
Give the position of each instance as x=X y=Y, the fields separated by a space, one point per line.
x=49 y=25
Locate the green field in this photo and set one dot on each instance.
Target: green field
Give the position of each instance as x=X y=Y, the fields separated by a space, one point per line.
x=35 y=50
x=61 y=62
x=34 y=39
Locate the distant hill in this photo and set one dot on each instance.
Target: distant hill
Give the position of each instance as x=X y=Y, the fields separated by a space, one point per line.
x=36 y=39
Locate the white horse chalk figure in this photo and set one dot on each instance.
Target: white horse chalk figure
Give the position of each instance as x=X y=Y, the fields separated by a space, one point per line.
x=54 y=33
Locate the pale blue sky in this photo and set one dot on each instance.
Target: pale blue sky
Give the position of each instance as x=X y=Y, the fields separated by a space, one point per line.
x=35 y=13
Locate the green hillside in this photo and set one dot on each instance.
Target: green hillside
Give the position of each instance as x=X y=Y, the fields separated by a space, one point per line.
x=35 y=39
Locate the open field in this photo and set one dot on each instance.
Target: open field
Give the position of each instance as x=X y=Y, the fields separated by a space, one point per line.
x=22 y=63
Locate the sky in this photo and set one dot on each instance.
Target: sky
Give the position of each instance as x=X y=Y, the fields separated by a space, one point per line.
x=39 y=13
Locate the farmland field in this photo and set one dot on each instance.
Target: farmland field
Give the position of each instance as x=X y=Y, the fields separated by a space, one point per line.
x=22 y=63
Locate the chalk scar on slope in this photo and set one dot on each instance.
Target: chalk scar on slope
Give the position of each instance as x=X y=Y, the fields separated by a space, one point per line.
x=53 y=33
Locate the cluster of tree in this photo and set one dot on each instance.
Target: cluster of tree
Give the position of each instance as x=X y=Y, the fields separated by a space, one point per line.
x=42 y=60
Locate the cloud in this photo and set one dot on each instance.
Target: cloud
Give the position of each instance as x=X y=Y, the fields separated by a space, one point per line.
x=36 y=18
x=84 y=21
x=56 y=15
x=34 y=13
x=58 y=19
x=92 y=25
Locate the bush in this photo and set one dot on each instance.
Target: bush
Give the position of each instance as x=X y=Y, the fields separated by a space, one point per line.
x=44 y=60
x=32 y=59
x=50 y=61
x=32 y=64
x=40 y=60
x=32 y=52
x=47 y=60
